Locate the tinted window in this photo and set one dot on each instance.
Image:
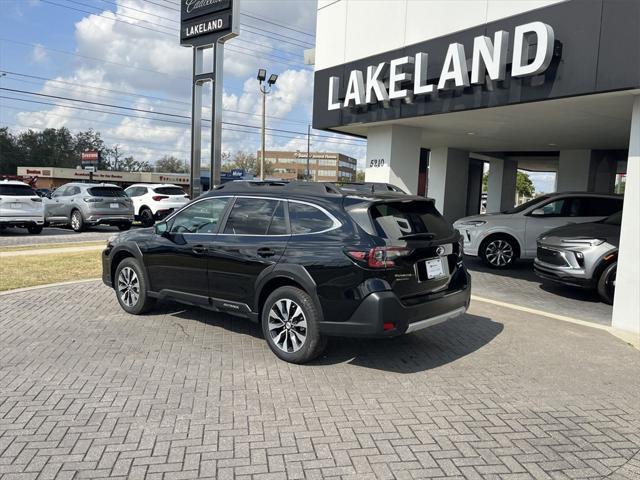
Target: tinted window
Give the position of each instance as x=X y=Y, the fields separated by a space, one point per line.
x=72 y=191
x=136 y=191
x=17 y=190
x=106 y=192
x=169 y=191
x=200 y=217
x=396 y=220
x=615 y=219
x=307 y=219
x=595 y=206
x=554 y=209
x=256 y=216
x=530 y=203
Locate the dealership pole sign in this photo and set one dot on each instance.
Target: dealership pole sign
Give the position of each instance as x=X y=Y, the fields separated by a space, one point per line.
x=205 y=25
x=407 y=77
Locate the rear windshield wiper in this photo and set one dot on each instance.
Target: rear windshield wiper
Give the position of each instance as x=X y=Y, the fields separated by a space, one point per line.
x=425 y=235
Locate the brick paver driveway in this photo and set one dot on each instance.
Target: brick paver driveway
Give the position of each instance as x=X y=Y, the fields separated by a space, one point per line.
x=88 y=391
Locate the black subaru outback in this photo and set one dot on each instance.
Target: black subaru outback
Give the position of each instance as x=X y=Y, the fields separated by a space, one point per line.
x=306 y=260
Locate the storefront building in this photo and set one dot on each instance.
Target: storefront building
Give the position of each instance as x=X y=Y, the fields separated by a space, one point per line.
x=323 y=166
x=443 y=87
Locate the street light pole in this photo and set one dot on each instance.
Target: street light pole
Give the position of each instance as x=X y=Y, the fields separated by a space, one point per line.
x=308 y=151
x=265 y=90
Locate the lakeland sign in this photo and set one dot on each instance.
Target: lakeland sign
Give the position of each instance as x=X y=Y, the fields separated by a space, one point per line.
x=406 y=77
x=203 y=22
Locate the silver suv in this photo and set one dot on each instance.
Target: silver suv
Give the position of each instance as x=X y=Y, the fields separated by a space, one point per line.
x=85 y=204
x=582 y=255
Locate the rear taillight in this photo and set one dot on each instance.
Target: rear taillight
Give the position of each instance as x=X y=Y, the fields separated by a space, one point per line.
x=36 y=199
x=379 y=257
x=187 y=197
x=92 y=199
x=157 y=198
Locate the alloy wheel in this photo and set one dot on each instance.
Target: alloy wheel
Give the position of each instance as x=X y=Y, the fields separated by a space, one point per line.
x=75 y=221
x=128 y=286
x=499 y=253
x=287 y=325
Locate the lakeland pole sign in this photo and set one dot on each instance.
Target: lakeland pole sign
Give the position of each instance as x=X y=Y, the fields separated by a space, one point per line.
x=203 y=22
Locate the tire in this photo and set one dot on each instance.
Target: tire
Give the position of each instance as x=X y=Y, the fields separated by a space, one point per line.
x=124 y=226
x=499 y=252
x=304 y=344
x=130 y=285
x=607 y=283
x=77 y=222
x=146 y=217
x=34 y=229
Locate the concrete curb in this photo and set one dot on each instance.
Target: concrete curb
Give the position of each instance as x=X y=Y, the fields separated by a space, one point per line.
x=51 y=251
x=628 y=337
x=48 y=285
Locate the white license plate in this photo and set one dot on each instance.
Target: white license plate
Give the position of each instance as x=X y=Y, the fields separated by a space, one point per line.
x=435 y=269
x=16 y=205
x=114 y=205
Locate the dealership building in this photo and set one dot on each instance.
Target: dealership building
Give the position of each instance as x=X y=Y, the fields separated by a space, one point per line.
x=442 y=88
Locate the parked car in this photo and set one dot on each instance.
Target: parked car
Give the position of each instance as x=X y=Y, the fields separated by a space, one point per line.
x=20 y=206
x=305 y=260
x=81 y=205
x=43 y=192
x=583 y=255
x=499 y=239
x=153 y=202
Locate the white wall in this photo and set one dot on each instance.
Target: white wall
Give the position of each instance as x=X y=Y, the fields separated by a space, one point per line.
x=350 y=29
x=626 y=306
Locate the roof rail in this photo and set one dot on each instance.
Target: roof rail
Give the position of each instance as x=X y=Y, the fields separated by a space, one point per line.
x=319 y=188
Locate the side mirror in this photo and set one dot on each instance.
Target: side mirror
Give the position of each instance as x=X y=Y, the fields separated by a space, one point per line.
x=161 y=228
x=538 y=212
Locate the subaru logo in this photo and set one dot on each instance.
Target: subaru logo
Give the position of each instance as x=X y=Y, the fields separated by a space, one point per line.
x=440 y=250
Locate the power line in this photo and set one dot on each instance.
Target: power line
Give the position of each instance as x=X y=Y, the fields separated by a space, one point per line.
x=141 y=11
x=262 y=19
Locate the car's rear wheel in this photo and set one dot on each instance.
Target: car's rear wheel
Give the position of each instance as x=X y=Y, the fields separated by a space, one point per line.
x=146 y=217
x=290 y=325
x=131 y=287
x=499 y=251
x=77 y=222
x=34 y=229
x=124 y=226
x=607 y=283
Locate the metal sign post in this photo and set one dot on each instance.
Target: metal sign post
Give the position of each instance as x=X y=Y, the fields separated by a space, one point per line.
x=206 y=26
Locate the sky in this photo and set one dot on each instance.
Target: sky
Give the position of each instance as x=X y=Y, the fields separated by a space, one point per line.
x=125 y=54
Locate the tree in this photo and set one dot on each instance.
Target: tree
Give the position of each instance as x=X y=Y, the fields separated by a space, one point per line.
x=249 y=163
x=10 y=155
x=129 y=164
x=171 y=164
x=524 y=185
x=90 y=140
x=360 y=176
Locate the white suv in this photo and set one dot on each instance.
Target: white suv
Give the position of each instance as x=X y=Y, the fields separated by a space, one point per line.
x=501 y=238
x=152 y=201
x=20 y=206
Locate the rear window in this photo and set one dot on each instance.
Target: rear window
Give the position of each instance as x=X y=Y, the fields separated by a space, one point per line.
x=169 y=191
x=403 y=219
x=17 y=191
x=106 y=192
x=308 y=219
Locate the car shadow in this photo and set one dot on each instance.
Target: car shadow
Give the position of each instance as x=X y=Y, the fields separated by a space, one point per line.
x=416 y=352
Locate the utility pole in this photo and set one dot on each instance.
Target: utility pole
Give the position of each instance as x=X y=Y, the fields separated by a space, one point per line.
x=265 y=90
x=308 y=151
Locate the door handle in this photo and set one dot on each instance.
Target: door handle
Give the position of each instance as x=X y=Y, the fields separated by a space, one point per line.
x=199 y=249
x=266 y=252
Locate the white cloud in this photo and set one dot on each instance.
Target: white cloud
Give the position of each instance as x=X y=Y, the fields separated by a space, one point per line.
x=38 y=54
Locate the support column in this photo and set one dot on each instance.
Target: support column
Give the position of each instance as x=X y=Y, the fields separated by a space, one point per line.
x=448 y=181
x=393 y=156
x=626 y=305
x=501 y=185
x=573 y=171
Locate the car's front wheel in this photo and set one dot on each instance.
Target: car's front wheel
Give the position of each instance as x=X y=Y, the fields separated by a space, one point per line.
x=290 y=325
x=131 y=287
x=77 y=222
x=607 y=283
x=34 y=229
x=146 y=217
x=499 y=251
x=124 y=226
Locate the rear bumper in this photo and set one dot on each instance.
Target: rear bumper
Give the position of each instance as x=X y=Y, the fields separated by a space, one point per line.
x=96 y=219
x=380 y=308
x=565 y=276
x=21 y=220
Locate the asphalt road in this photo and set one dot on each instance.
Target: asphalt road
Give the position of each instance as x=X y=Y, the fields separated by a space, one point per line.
x=20 y=236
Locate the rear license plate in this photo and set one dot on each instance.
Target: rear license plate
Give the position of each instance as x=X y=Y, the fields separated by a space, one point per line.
x=16 y=205
x=114 y=205
x=435 y=269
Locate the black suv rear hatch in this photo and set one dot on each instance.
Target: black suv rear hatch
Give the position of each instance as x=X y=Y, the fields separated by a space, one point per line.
x=418 y=251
